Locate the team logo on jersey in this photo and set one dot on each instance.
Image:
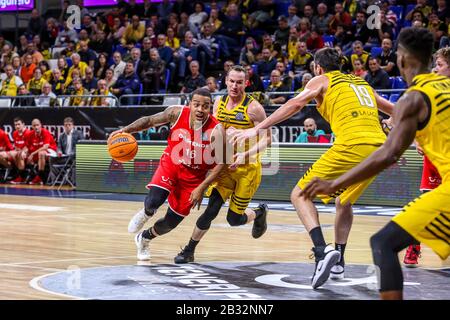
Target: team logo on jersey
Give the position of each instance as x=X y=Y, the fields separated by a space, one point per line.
x=354 y=114
x=239 y=116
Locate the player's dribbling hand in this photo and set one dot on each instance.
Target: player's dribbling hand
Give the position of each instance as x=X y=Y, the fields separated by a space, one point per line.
x=197 y=197
x=318 y=186
x=114 y=133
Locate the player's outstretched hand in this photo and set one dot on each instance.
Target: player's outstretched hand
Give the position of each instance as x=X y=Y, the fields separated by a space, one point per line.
x=318 y=186
x=197 y=197
x=243 y=135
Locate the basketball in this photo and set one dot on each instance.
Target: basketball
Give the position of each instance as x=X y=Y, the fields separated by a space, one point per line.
x=123 y=147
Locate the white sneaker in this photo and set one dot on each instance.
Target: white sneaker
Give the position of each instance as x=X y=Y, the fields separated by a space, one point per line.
x=138 y=221
x=323 y=267
x=337 y=272
x=143 y=250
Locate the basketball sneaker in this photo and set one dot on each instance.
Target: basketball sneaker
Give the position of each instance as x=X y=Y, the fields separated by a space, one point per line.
x=142 y=244
x=138 y=221
x=185 y=256
x=260 y=223
x=18 y=180
x=326 y=258
x=337 y=272
x=412 y=256
x=37 y=180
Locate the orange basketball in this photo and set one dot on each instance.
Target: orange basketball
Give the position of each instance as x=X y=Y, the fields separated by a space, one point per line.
x=123 y=147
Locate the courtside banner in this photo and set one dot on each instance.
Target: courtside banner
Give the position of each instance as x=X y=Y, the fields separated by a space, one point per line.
x=97 y=172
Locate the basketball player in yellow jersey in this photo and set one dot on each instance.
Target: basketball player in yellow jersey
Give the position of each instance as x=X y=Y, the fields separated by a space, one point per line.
x=423 y=113
x=239 y=181
x=349 y=104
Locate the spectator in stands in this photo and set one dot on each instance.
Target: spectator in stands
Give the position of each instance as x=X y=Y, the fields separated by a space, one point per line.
x=63 y=67
x=352 y=7
x=417 y=15
x=276 y=85
x=27 y=71
x=117 y=31
x=342 y=38
x=65 y=36
x=359 y=32
x=22 y=46
x=315 y=42
x=36 y=55
x=83 y=10
x=101 y=44
x=232 y=26
x=134 y=32
x=79 y=95
x=172 y=41
x=261 y=12
x=443 y=11
x=388 y=58
x=293 y=19
x=209 y=44
x=188 y=52
x=88 y=25
x=359 y=53
x=253 y=83
x=109 y=78
x=90 y=81
x=101 y=65
x=341 y=18
x=183 y=25
x=304 y=32
x=68 y=84
x=197 y=18
x=118 y=66
x=322 y=20
x=100 y=25
x=20 y=100
x=36 y=83
x=152 y=73
x=301 y=60
x=305 y=79
x=102 y=90
x=57 y=82
x=68 y=50
x=267 y=64
x=285 y=78
x=127 y=84
x=41 y=146
x=211 y=85
x=214 y=19
x=45 y=69
x=377 y=77
x=18 y=155
x=36 y=24
x=138 y=63
x=195 y=80
x=442 y=62
x=359 y=69
x=248 y=52
x=47 y=98
x=145 y=51
x=282 y=32
x=438 y=28
x=133 y=9
x=421 y=7
x=7 y=55
x=51 y=31
x=17 y=65
x=292 y=43
x=308 y=12
x=77 y=64
x=310 y=131
x=173 y=23
x=387 y=28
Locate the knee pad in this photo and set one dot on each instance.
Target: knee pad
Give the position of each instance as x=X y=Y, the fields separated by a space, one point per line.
x=154 y=200
x=166 y=224
x=212 y=210
x=235 y=219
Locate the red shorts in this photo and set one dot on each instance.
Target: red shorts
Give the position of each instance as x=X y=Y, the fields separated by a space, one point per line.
x=430 y=176
x=180 y=181
x=50 y=153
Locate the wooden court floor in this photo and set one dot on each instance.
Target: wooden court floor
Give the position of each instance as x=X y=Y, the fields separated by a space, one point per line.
x=42 y=235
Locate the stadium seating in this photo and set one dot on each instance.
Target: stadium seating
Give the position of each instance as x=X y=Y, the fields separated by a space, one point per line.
x=399 y=83
x=376 y=51
x=394 y=97
x=266 y=83
x=328 y=40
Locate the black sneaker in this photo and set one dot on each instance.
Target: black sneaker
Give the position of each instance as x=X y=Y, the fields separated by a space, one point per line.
x=326 y=258
x=260 y=223
x=185 y=256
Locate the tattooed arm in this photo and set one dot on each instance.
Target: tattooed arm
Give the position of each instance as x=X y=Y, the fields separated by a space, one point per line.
x=169 y=115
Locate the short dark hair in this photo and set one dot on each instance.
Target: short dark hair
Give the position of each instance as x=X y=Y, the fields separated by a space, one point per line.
x=419 y=42
x=328 y=58
x=68 y=119
x=201 y=92
x=18 y=119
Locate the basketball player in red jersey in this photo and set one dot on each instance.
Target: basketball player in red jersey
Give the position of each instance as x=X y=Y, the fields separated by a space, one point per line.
x=5 y=148
x=430 y=175
x=41 y=146
x=195 y=146
x=19 y=154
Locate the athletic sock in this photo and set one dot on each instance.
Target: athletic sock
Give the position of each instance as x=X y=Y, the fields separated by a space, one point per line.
x=317 y=237
x=147 y=234
x=192 y=245
x=341 y=248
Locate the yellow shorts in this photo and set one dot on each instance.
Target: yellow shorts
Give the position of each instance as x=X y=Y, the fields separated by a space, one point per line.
x=239 y=185
x=427 y=219
x=335 y=162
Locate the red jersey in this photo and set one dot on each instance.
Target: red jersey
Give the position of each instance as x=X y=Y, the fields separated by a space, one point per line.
x=191 y=147
x=5 y=144
x=37 y=141
x=21 y=139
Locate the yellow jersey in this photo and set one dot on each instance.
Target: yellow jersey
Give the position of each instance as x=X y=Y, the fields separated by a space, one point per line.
x=236 y=117
x=433 y=134
x=350 y=108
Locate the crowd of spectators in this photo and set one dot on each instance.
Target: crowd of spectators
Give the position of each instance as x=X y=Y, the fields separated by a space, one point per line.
x=176 y=46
